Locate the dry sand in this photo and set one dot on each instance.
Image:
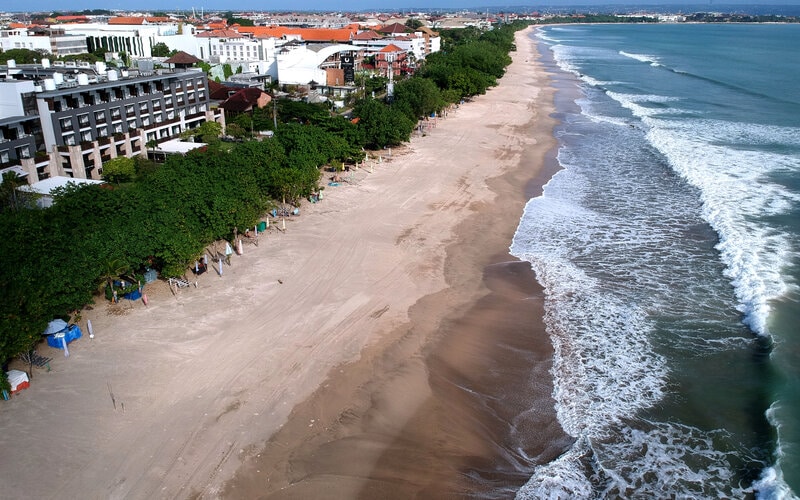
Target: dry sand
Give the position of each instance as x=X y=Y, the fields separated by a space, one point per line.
x=331 y=360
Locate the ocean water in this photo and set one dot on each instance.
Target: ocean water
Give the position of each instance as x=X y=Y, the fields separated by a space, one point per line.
x=669 y=247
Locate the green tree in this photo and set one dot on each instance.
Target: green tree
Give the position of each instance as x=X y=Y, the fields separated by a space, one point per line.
x=119 y=169
x=237 y=131
x=382 y=125
x=20 y=56
x=208 y=132
x=227 y=71
x=160 y=50
x=413 y=23
x=421 y=96
x=11 y=197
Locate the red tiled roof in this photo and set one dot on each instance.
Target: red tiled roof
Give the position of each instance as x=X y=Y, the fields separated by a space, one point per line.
x=393 y=29
x=182 y=58
x=392 y=48
x=218 y=91
x=367 y=35
x=244 y=100
x=342 y=35
x=126 y=20
x=67 y=19
x=220 y=34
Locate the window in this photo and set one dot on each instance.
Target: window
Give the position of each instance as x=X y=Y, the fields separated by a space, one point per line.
x=86 y=136
x=99 y=117
x=130 y=110
x=66 y=123
x=69 y=140
x=83 y=120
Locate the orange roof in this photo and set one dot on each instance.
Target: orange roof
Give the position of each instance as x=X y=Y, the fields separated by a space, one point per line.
x=17 y=25
x=220 y=34
x=71 y=18
x=367 y=35
x=392 y=48
x=160 y=19
x=126 y=20
x=307 y=34
x=218 y=25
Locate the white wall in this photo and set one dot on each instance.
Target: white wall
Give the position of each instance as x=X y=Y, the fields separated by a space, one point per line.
x=10 y=100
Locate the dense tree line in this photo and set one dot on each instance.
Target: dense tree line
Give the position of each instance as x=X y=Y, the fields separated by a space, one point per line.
x=596 y=18
x=164 y=216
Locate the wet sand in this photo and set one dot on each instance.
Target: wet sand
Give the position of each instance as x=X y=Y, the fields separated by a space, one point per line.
x=455 y=403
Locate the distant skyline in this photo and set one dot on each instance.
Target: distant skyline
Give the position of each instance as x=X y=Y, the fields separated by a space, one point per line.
x=379 y=5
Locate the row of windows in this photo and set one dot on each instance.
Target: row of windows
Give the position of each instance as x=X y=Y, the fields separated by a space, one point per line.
x=71 y=138
x=21 y=152
x=130 y=110
x=89 y=98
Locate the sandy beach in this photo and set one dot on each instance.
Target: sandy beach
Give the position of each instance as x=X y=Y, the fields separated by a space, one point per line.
x=385 y=345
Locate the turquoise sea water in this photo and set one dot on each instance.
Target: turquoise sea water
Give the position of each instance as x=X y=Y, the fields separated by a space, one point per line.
x=669 y=248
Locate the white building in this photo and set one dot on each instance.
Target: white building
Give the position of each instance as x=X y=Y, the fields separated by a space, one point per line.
x=53 y=41
x=251 y=54
x=300 y=64
x=136 y=40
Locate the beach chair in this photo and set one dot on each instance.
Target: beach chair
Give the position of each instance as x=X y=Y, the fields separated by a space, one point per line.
x=178 y=282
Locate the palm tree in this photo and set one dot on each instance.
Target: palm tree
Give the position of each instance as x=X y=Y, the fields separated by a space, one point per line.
x=10 y=198
x=111 y=269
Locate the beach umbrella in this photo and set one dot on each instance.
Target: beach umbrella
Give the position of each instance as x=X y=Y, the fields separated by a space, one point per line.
x=55 y=326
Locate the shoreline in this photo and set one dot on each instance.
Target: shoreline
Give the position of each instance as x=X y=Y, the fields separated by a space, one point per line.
x=176 y=398
x=439 y=406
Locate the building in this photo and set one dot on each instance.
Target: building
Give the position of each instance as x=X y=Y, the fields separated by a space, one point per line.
x=305 y=64
x=50 y=40
x=392 y=60
x=67 y=123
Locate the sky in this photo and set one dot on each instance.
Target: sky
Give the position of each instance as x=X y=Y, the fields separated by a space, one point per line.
x=361 y=5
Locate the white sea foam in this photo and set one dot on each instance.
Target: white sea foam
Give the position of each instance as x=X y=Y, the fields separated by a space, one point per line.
x=771 y=485
x=736 y=190
x=567 y=58
x=652 y=60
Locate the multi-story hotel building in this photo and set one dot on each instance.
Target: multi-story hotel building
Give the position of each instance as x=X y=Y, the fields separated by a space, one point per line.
x=70 y=123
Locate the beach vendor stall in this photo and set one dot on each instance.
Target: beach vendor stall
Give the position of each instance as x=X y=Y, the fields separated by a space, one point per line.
x=59 y=334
